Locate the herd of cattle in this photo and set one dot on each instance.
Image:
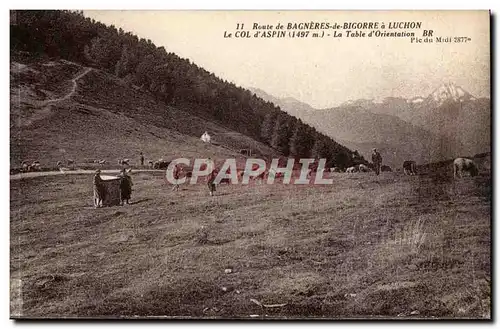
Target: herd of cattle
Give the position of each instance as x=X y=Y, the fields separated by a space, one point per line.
x=460 y=166
x=27 y=166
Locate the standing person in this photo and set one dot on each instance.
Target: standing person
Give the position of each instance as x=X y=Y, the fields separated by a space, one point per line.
x=377 y=161
x=210 y=181
x=125 y=187
x=177 y=174
x=142 y=159
x=98 y=189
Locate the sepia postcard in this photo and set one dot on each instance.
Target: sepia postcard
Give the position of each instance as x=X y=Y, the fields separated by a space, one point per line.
x=250 y=165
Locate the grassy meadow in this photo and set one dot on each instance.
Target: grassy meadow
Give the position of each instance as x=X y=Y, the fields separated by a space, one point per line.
x=365 y=246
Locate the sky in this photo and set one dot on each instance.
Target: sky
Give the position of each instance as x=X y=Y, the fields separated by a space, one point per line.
x=323 y=72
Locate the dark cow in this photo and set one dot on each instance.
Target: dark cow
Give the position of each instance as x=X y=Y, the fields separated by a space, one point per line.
x=246 y=152
x=124 y=162
x=335 y=169
x=461 y=165
x=385 y=168
x=161 y=164
x=409 y=168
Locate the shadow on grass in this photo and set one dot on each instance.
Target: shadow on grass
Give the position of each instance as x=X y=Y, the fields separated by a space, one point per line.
x=140 y=201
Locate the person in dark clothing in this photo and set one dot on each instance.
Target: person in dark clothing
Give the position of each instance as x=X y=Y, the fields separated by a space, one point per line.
x=98 y=189
x=177 y=174
x=377 y=161
x=142 y=159
x=211 y=183
x=125 y=187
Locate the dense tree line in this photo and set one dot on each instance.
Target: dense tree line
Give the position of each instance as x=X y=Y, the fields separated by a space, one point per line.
x=174 y=80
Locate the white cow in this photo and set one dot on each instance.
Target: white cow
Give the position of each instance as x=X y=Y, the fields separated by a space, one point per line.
x=351 y=170
x=205 y=137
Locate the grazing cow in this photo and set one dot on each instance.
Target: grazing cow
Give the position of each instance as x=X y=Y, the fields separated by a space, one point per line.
x=206 y=137
x=246 y=152
x=363 y=168
x=385 y=168
x=409 y=168
x=25 y=166
x=461 y=165
x=161 y=164
x=61 y=167
x=351 y=170
x=35 y=166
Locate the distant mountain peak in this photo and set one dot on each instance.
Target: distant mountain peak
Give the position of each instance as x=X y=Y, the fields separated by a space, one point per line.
x=290 y=99
x=449 y=91
x=358 y=102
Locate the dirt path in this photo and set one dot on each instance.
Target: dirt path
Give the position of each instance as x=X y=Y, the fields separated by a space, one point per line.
x=45 y=109
x=73 y=89
x=74 y=172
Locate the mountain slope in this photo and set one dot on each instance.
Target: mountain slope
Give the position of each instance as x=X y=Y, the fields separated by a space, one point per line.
x=60 y=109
x=354 y=126
x=290 y=105
x=447 y=123
x=396 y=139
x=175 y=87
x=449 y=111
x=457 y=114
